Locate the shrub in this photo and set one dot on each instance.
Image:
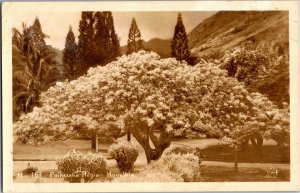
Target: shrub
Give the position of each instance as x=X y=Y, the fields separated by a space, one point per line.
x=187 y=150
x=170 y=167
x=192 y=60
x=125 y=154
x=77 y=166
x=29 y=170
x=186 y=165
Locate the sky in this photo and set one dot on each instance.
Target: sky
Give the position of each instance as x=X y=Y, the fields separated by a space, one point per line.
x=151 y=24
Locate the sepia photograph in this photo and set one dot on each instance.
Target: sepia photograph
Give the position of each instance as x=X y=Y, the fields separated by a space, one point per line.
x=112 y=96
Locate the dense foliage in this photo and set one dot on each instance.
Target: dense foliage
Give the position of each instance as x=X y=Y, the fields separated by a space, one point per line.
x=125 y=154
x=77 y=166
x=135 y=42
x=154 y=99
x=263 y=68
x=34 y=67
x=106 y=42
x=98 y=42
x=85 y=39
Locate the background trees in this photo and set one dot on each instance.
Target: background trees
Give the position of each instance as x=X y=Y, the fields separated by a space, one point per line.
x=85 y=39
x=98 y=42
x=37 y=34
x=179 y=45
x=70 y=52
x=106 y=42
x=154 y=99
x=34 y=67
x=135 y=42
x=258 y=67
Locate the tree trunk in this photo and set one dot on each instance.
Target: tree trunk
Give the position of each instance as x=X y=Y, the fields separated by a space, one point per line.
x=160 y=145
x=94 y=137
x=257 y=142
x=128 y=136
x=245 y=143
x=236 y=161
x=260 y=142
x=97 y=144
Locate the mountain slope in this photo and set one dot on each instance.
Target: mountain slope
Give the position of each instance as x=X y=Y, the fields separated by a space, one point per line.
x=227 y=29
x=160 y=46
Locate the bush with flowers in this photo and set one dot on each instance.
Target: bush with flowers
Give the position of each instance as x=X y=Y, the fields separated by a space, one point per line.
x=187 y=150
x=169 y=168
x=154 y=99
x=263 y=68
x=76 y=166
x=125 y=154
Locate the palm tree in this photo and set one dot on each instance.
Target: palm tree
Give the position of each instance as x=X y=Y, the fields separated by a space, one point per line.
x=32 y=66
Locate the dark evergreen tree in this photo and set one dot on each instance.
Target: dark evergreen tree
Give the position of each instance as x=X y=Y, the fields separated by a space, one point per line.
x=85 y=40
x=98 y=42
x=107 y=46
x=115 y=49
x=135 y=42
x=70 y=52
x=38 y=36
x=179 y=45
x=101 y=39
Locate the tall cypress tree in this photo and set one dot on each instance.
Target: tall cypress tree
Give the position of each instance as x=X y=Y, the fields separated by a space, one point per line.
x=70 y=52
x=85 y=39
x=135 y=42
x=107 y=45
x=101 y=39
x=179 y=45
x=115 y=49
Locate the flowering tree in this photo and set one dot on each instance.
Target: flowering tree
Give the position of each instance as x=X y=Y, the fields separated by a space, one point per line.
x=263 y=68
x=154 y=99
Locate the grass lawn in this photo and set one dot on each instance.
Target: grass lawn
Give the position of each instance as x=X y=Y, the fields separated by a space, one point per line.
x=227 y=174
x=217 y=165
x=52 y=149
x=271 y=154
x=212 y=149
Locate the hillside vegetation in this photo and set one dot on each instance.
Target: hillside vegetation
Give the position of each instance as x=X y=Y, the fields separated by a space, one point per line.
x=224 y=30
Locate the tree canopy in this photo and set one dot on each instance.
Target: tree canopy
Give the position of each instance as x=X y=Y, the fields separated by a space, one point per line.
x=154 y=99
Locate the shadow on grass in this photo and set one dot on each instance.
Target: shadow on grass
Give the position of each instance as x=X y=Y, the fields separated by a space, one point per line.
x=271 y=154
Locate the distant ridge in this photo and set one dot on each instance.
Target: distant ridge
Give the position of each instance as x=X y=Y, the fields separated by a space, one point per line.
x=226 y=29
x=160 y=46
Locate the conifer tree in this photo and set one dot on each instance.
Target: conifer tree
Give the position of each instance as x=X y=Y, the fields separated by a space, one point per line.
x=179 y=45
x=135 y=42
x=38 y=36
x=114 y=40
x=101 y=39
x=106 y=42
x=70 y=52
x=85 y=39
